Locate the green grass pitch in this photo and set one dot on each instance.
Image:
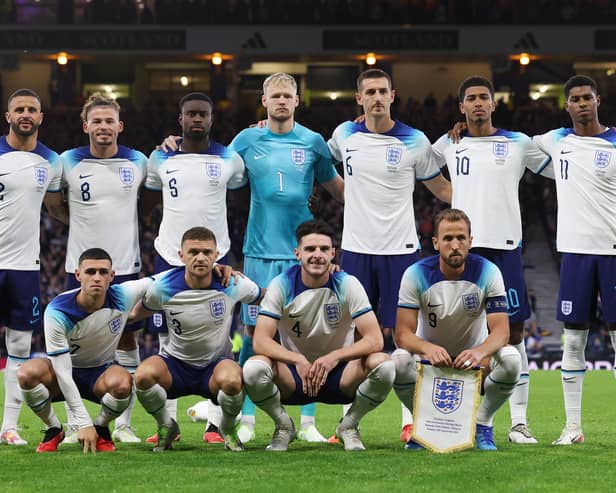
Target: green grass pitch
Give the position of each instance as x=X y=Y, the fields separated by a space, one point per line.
x=385 y=466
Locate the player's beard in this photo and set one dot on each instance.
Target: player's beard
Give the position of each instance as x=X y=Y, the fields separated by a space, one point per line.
x=197 y=136
x=33 y=129
x=456 y=261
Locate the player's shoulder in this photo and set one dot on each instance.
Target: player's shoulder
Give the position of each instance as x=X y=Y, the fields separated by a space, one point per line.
x=410 y=136
x=288 y=282
x=160 y=155
x=348 y=128
x=130 y=154
x=64 y=307
x=556 y=134
x=308 y=136
x=46 y=153
x=480 y=270
x=247 y=137
x=609 y=136
x=76 y=155
x=511 y=135
x=221 y=150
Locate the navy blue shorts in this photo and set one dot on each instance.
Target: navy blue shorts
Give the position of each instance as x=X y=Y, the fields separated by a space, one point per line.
x=329 y=393
x=85 y=378
x=511 y=266
x=20 y=299
x=72 y=283
x=380 y=275
x=582 y=278
x=157 y=324
x=190 y=380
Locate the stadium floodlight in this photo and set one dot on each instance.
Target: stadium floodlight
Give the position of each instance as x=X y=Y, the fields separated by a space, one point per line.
x=62 y=58
x=217 y=58
x=370 y=58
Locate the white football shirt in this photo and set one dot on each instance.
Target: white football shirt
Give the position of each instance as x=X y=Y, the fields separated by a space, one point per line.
x=199 y=320
x=102 y=199
x=194 y=189
x=91 y=338
x=379 y=179
x=585 y=173
x=452 y=314
x=485 y=174
x=25 y=177
x=314 y=321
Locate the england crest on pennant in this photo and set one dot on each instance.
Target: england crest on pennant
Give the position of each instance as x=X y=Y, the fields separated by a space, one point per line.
x=447 y=395
x=40 y=175
x=126 y=175
x=217 y=308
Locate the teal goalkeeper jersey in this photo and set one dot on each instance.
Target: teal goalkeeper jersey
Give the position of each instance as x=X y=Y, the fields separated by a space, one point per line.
x=281 y=171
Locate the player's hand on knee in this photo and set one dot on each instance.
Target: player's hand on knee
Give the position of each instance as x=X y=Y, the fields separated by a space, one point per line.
x=319 y=371
x=170 y=144
x=455 y=133
x=87 y=437
x=303 y=369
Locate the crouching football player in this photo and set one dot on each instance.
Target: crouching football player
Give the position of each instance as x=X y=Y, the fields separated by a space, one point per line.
x=82 y=330
x=196 y=358
x=319 y=357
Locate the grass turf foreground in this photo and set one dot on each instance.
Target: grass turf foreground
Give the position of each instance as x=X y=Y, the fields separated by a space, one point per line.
x=385 y=466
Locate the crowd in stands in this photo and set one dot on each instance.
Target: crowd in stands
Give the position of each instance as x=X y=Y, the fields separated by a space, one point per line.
x=145 y=128
x=368 y=12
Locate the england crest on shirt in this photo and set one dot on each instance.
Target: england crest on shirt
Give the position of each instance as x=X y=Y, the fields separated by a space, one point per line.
x=602 y=159
x=213 y=169
x=217 y=308
x=40 y=175
x=393 y=154
x=470 y=302
x=500 y=149
x=566 y=307
x=332 y=312
x=447 y=394
x=298 y=156
x=115 y=325
x=127 y=176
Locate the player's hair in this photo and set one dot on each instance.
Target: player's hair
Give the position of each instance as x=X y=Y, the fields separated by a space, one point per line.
x=95 y=100
x=451 y=215
x=279 y=78
x=94 y=254
x=195 y=96
x=472 y=81
x=373 y=73
x=198 y=233
x=23 y=92
x=578 y=81
x=314 y=226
